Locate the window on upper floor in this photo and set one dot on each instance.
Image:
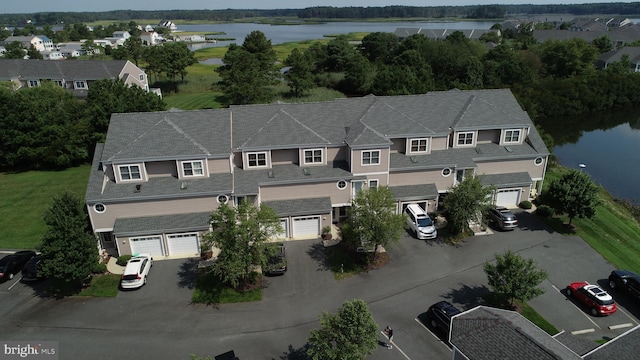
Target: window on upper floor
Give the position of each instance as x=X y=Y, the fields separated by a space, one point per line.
x=80 y=84
x=141 y=77
x=313 y=156
x=34 y=83
x=257 y=159
x=418 y=145
x=465 y=138
x=129 y=172
x=371 y=157
x=192 y=168
x=59 y=83
x=512 y=136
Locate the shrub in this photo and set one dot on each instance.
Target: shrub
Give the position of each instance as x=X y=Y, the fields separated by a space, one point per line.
x=122 y=260
x=99 y=268
x=544 y=211
x=526 y=204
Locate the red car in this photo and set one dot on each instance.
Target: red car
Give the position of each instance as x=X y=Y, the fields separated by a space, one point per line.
x=592 y=296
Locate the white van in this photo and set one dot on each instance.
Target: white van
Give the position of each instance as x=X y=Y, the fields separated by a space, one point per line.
x=420 y=223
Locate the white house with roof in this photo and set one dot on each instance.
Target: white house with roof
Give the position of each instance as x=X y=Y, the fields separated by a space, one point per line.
x=150 y=38
x=39 y=42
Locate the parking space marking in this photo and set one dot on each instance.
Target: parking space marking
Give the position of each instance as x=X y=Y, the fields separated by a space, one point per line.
x=14 y=284
x=629 y=316
x=578 y=308
x=432 y=334
x=395 y=346
x=621 y=326
x=585 y=331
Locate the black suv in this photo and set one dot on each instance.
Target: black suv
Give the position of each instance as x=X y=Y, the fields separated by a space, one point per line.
x=440 y=314
x=626 y=280
x=276 y=259
x=12 y=264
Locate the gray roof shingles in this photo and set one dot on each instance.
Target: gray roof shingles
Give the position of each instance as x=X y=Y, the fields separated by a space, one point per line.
x=162 y=224
x=68 y=70
x=311 y=206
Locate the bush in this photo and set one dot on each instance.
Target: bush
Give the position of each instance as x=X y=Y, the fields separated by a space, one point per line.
x=526 y=204
x=545 y=211
x=99 y=268
x=123 y=259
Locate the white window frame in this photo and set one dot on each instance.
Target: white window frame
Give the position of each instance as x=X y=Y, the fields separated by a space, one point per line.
x=99 y=208
x=511 y=136
x=467 y=135
x=257 y=159
x=129 y=167
x=59 y=82
x=342 y=182
x=538 y=161
x=222 y=196
x=419 y=145
x=80 y=84
x=373 y=183
x=371 y=157
x=193 y=168
x=141 y=77
x=313 y=156
x=448 y=172
x=34 y=83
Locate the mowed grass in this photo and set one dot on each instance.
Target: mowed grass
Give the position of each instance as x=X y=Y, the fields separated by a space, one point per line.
x=26 y=196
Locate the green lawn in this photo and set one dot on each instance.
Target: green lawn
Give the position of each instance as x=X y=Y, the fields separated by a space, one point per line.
x=26 y=196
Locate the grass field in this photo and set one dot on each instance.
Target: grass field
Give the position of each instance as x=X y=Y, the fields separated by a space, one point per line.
x=25 y=197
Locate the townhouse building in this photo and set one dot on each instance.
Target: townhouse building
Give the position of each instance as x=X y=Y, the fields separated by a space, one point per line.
x=158 y=176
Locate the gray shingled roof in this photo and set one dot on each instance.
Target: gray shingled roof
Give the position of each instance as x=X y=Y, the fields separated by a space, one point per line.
x=623 y=347
x=162 y=224
x=67 y=70
x=506 y=180
x=440 y=34
x=484 y=333
x=577 y=344
x=414 y=192
x=311 y=206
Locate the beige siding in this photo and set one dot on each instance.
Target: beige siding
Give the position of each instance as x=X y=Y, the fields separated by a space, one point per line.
x=161 y=169
x=523 y=135
x=422 y=177
x=455 y=139
x=305 y=191
x=237 y=159
x=510 y=166
x=439 y=143
x=112 y=212
x=488 y=136
x=283 y=157
x=398 y=146
x=358 y=168
x=135 y=72
x=143 y=173
x=217 y=166
x=337 y=154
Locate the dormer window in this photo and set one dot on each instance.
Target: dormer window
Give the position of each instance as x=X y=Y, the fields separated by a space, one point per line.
x=59 y=83
x=313 y=156
x=512 y=136
x=192 y=168
x=418 y=145
x=80 y=84
x=257 y=159
x=129 y=172
x=34 y=83
x=465 y=138
x=371 y=157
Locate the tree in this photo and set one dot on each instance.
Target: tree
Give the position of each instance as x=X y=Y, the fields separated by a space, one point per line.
x=240 y=234
x=177 y=57
x=249 y=70
x=373 y=219
x=68 y=248
x=33 y=53
x=14 y=50
x=466 y=201
x=514 y=277
x=574 y=194
x=134 y=48
x=350 y=334
x=300 y=75
x=379 y=47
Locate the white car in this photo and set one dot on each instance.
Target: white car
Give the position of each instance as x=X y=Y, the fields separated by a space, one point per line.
x=136 y=271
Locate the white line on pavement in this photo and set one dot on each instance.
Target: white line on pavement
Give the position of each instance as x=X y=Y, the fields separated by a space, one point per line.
x=578 y=332
x=14 y=284
x=432 y=334
x=629 y=316
x=579 y=309
x=395 y=346
x=621 y=326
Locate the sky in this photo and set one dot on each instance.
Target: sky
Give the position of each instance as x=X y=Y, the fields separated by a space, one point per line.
x=32 y=6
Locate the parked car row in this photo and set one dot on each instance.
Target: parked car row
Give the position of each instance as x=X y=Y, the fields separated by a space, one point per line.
x=12 y=264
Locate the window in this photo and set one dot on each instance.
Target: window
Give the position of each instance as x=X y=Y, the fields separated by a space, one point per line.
x=141 y=77
x=192 y=168
x=512 y=136
x=373 y=183
x=222 y=199
x=80 y=85
x=465 y=138
x=446 y=172
x=59 y=83
x=371 y=157
x=341 y=184
x=313 y=156
x=538 y=161
x=34 y=83
x=418 y=145
x=257 y=159
x=129 y=172
x=99 y=208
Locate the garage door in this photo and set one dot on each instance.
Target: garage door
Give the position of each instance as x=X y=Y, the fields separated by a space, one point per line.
x=508 y=198
x=285 y=229
x=148 y=244
x=306 y=227
x=183 y=244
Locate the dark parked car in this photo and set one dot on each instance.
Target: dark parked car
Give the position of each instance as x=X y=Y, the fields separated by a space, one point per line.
x=440 y=314
x=276 y=260
x=625 y=280
x=30 y=271
x=503 y=218
x=12 y=264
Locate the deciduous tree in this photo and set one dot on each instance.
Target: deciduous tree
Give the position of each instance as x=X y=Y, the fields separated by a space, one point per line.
x=574 y=194
x=466 y=201
x=514 y=277
x=349 y=334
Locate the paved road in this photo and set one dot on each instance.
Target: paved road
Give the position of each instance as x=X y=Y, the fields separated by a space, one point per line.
x=160 y=322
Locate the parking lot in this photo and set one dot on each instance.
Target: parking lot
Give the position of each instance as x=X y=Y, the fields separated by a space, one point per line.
x=160 y=320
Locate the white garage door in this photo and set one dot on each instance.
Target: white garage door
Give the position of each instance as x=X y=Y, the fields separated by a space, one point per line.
x=148 y=244
x=285 y=229
x=508 y=198
x=183 y=244
x=306 y=227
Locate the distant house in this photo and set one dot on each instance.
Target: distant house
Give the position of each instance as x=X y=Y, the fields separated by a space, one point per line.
x=632 y=52
x=121 y=35
x=150 y=38
x=39 y=42
x=71 y=49
x=167 y=25
x=74 y=76
x=619 y=37
x=52 y=55
x=192 y=38
x=441 y=34
x=149 y=28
